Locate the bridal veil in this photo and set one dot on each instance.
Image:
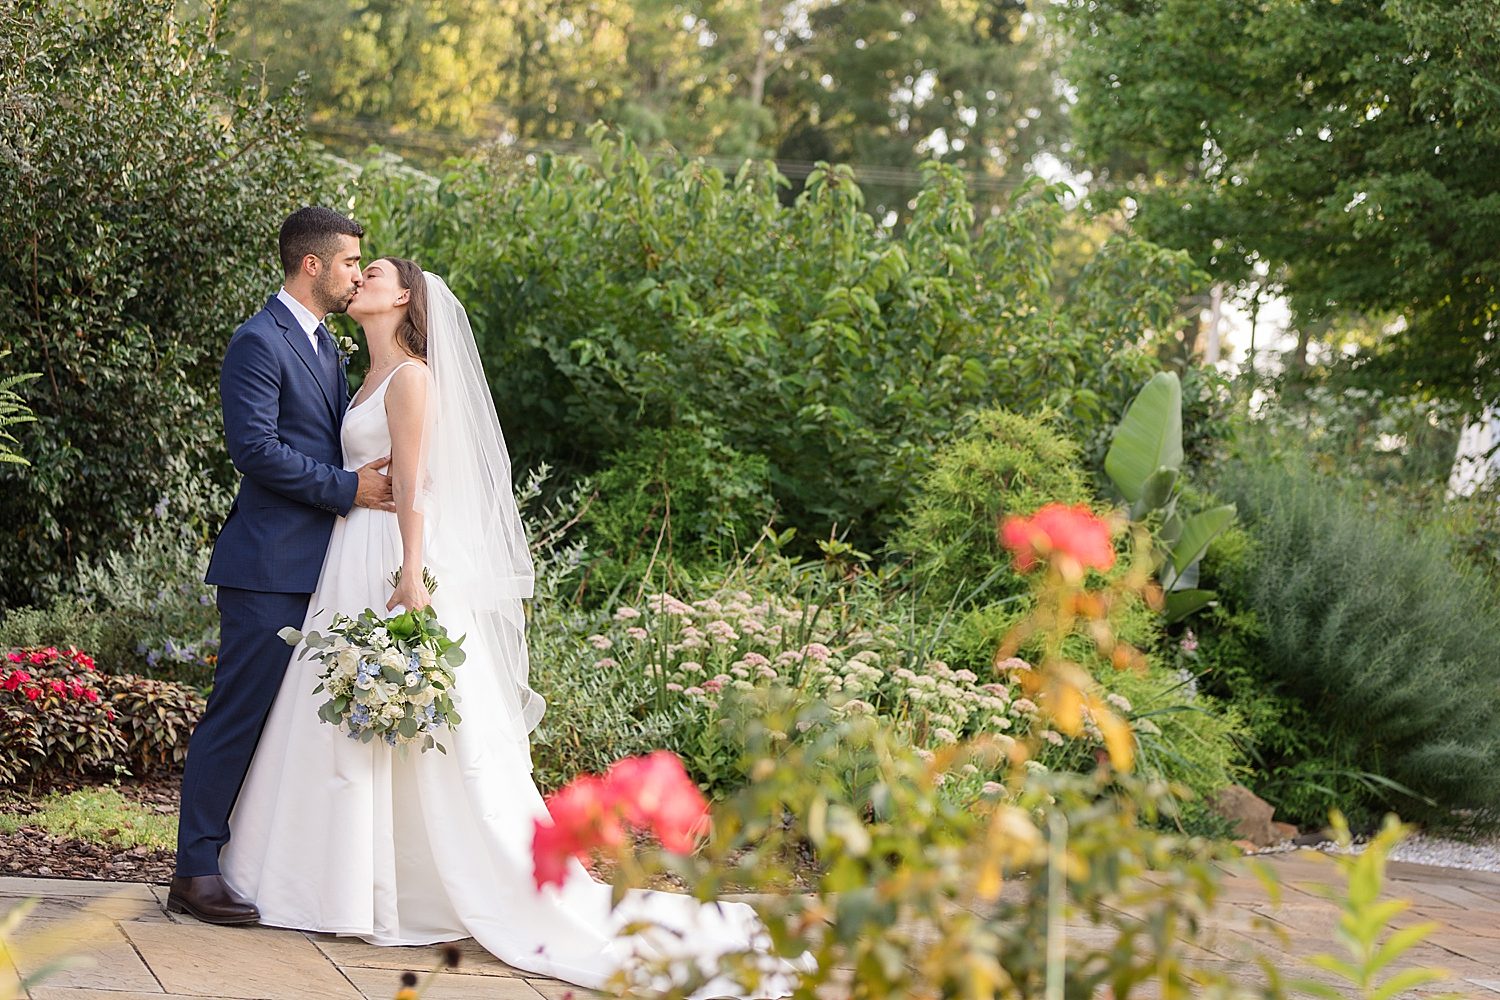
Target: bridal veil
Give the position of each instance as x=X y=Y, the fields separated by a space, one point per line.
x=476 y=545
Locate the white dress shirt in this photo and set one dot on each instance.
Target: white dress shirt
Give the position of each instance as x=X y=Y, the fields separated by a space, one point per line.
x=305 y=318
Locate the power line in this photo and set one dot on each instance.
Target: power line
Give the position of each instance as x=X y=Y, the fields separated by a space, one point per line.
x=444 y=142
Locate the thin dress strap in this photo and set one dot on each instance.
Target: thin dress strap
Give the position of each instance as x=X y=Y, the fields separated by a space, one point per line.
x=380 y=390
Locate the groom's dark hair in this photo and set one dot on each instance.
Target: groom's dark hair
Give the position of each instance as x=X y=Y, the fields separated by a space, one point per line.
x=313 y=231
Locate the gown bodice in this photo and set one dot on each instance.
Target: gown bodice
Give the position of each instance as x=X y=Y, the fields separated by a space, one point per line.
x=366 y=434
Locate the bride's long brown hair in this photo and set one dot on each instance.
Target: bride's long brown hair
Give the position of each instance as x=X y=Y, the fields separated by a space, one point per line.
x=411 y=335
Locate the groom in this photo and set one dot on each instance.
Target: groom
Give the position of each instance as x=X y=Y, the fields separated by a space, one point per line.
x=284 y=393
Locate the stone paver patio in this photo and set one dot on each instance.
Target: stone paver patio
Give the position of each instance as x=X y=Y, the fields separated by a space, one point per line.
x=140 y=952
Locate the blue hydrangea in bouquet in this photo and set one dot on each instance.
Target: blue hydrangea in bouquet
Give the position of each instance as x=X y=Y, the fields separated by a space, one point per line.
x=388 y=679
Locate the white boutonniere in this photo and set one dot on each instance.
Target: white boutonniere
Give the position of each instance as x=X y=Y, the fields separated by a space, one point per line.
x=347 y=347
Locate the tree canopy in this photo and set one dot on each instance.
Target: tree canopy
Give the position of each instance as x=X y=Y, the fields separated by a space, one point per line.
x=1350 y=146
x=885 y=82
x=141 y=187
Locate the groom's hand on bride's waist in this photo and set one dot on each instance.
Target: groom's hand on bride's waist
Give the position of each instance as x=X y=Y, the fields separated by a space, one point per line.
x=374 y=486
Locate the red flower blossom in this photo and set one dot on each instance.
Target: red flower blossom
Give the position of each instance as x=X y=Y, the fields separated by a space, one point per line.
x=94 y=696
x=14 y=657
x=58 y=687
x=33 y=693
x=651 y=793
x=37 y=658
x=1073 y=538
x=656 y=794
x=584 y=816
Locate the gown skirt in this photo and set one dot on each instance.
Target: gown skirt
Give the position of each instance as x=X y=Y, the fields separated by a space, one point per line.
x=337 y=836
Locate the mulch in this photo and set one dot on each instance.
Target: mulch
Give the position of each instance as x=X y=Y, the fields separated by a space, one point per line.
x=35 y=852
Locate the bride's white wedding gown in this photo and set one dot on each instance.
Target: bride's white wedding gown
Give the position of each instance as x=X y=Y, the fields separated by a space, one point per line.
x=333 y=835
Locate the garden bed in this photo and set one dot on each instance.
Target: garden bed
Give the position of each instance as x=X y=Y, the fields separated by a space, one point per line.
x=122 y=832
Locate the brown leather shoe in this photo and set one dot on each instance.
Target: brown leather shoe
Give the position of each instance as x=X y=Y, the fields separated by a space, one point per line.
x=209 y=898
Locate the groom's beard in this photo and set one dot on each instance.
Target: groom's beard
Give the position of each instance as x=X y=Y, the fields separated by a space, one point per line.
x=331 y=296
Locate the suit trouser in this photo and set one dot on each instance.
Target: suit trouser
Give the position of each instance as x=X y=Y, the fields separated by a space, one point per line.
x=252 y=662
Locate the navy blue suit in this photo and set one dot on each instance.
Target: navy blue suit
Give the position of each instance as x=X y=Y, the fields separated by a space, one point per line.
x=283 y=405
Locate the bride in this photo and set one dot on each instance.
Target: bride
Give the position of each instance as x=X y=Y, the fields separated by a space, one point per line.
x=334 y=835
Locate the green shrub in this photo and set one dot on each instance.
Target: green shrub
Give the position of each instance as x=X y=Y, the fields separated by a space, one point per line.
x=1002 y=464
x=141 y=188
x=156 y=718
x=677 y=497
x=151 y=596
x=63 y=725
x=638 y=292
x=65 y=717
x=1183 y=735
x=1373 y=654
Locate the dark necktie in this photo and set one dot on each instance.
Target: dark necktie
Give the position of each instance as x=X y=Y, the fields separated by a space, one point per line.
x=328 y=357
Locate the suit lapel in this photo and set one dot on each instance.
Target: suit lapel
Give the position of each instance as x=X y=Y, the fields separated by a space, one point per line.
x=292 y=331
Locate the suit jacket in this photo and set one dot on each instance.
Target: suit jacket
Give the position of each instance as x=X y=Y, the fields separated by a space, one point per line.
x=283 y=405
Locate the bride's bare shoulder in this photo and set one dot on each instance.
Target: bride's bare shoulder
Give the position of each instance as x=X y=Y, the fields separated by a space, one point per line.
x=408 y=387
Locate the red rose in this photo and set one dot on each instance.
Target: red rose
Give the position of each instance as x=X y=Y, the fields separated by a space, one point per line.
x=655 y=793
x=1072 y=538
x=652 y=793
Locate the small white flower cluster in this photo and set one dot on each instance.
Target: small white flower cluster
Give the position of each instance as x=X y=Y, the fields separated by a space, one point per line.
x=733 y=642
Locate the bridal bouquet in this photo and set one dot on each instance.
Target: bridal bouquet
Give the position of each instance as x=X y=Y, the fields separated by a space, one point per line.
x=387 y=679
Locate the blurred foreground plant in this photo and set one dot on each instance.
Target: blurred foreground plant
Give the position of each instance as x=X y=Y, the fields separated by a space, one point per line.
x=29 y=959
x=1366 y=920
x=864 y=869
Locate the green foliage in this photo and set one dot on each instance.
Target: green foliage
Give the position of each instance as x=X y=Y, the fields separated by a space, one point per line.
x=1347 y=146
x=156 y=718
x=1372 y=653
x=868 y=83
x=101 y=815
x=1182 y=735
x=637 y=293
x=1365 y=929
x=141 y=187
x=906 y=886
x=1145 y=463
x=1002 y=464
x=158 y=614
x=676 y=498
x=13 y=410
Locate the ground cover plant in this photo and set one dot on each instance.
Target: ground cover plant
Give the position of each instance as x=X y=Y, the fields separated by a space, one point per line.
x=101 y=815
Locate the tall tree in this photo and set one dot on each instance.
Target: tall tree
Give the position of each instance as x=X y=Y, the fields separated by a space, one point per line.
x=1353 y=146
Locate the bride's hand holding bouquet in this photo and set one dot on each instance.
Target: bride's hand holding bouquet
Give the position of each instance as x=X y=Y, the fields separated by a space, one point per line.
x=412 y=592
x=389 y=679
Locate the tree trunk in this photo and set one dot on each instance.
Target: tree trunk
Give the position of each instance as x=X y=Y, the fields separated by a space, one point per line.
x=762 y=50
